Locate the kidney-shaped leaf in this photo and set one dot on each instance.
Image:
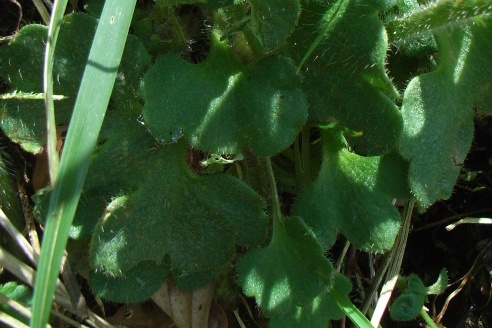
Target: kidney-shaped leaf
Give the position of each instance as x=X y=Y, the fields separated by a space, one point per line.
x=353 y=195
x=221 y=106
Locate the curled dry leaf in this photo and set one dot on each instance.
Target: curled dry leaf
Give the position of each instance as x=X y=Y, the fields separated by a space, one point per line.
x=190 y=309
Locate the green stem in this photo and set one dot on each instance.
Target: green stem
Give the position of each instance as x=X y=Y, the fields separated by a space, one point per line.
x=298 y=162
x=306 y=156
x=302 y=158
x=428 y=320
x=53 y=31
x=438 y=15
x=277 y=213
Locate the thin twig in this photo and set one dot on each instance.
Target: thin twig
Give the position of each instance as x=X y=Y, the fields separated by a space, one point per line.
x=27 y=275
x=48 y=4
x=16 y=306
x=395 y=264
x=45 y=15
x=20 y=15
x=371 y=295
x=451 y=218
x=29 y=217
x=338 y=265
x=11 y=321
x=469 y=221
x=23 y=310
x=464 y=280
x=19 y=238
x=73 y=288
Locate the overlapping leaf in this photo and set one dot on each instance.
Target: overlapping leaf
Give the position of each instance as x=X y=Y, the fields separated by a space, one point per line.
x=344 y=76
x=147 y=212
x=221 y=106
x=290 y=272
x=16 y=292
x=272 y=22
x=21 y=66
x=159 y=208
x=318 y=313
x=353 y=195
x=437 y=109
x=136 y=285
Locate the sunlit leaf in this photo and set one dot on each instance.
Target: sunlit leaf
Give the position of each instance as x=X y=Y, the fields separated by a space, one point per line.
x=437 y=110
x=353 y=195
x=221 y=106
x=21 y=69
x=291 y=271
x=344 y=77
x=316 y=314
x=162 y=208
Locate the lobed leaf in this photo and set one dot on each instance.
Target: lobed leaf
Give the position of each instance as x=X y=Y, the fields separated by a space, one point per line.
x=21 y=68
x=353 y=195
x=408 y=305
x=319 y=312
x=344 y=77
x=221 y=106
x=437 y=110
x=289 y=273
x=161 y=209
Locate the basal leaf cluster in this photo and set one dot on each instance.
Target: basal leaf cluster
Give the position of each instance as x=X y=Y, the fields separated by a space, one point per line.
x=274 y=78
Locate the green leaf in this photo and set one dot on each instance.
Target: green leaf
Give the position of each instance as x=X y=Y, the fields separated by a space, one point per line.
x=221 y=106
x=9 y=197
x=319 y=312
x=16 y=292
x=437 y=110
x=415 y=285
x=343 y=70
x=24 y=120
x=421 y=44
x=440 y=285
x=90 y=107
x=19 y=293
x=136 y=285
x=290 y=272
x=273 y=21
x=407 y=306
x=353 y=195
x=162 y=209
x=181 y=2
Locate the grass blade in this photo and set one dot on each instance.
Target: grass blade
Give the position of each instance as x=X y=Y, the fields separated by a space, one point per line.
x=90 y=107
x=53 y=30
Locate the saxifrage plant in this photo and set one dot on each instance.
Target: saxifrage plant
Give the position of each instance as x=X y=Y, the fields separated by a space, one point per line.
x=302 y=90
